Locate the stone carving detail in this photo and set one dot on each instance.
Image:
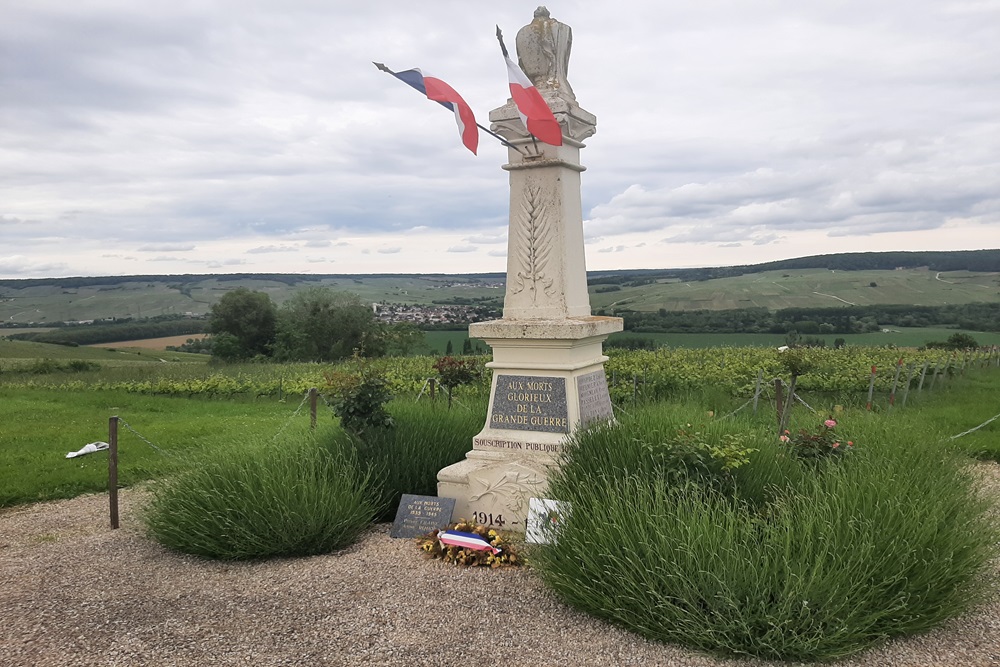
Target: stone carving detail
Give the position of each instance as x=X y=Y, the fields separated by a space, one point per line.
x=534 y=246
x=543 y=48
x=512 y=489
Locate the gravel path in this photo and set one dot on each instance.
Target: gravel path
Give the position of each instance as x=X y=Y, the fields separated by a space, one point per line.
x=74 y=592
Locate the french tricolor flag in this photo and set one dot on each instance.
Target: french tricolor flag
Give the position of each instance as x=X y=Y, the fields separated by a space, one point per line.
x=456 y=538
x=437 y=90
x=534 y=111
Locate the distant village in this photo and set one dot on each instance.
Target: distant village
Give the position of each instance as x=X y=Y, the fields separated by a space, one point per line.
x=422 y=315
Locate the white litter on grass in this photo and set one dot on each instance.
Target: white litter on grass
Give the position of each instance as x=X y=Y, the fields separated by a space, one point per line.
x=89 y=448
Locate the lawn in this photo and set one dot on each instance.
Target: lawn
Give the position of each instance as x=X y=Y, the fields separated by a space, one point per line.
x=41 y=426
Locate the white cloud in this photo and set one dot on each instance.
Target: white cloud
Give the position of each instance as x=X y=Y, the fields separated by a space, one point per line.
x=166 y=247
x=271 y=248
x=203 y=132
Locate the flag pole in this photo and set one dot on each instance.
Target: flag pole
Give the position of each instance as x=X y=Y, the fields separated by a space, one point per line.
x=382 y=67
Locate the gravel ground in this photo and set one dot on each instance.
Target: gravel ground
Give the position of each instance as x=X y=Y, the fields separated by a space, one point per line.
x=74 y=592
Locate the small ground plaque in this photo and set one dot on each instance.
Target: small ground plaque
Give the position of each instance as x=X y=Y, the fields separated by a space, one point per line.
x=595 y=401
x=419 y=515
x=545 y=517
x=530 y=403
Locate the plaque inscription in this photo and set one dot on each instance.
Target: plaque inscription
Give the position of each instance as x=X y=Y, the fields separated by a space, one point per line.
x=419 y=515
x=595 y=401
x=497 y=443
x=530 y=403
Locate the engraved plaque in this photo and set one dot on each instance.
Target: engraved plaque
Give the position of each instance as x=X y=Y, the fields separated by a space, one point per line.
x=530 y=403
x=595 y=401
x=419 y=515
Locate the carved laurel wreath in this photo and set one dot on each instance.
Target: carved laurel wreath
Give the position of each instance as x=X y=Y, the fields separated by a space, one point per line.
x=511 y=489
x=535 y=245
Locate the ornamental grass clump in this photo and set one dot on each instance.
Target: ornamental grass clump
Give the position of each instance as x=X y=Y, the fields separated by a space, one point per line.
x=786 y=562
x=289 y=497
x=406 y=457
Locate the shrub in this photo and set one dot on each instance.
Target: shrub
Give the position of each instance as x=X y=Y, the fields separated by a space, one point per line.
x=823 y=444
x=262 y=500
x=406 y=458
x=359 y=400
x=456 y=372
x=783 y=563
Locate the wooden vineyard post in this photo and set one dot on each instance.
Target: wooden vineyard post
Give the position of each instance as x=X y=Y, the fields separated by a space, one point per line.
x=934 y=377
x=871 y=389
x=923 y=374
x=779 y=401
x=909 y=378
x=312 y=408
x=756 y=389
x=113 y=470
x=895 y=383
x=433 y=383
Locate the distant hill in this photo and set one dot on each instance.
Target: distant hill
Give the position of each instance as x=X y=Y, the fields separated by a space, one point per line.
x=980 y=261
x=934 y=279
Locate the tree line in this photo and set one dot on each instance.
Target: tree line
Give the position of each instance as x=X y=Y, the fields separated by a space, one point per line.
x=822 y=320
x=315 y=324
x=115 y=331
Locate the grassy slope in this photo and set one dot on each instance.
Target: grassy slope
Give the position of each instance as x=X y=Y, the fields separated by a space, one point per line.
x=807 y=288
x=146 y=299
x=774 y=289
x=17 y=353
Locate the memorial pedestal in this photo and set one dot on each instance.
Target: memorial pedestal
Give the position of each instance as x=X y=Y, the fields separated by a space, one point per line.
x=548 y=366
x=548 y=381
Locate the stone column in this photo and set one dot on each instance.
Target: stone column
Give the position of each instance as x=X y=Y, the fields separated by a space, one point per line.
x=548 y=364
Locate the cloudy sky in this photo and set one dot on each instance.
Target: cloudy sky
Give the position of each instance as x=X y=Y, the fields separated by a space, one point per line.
x=199 y=136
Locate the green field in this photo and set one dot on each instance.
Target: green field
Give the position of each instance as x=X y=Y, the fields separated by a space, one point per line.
x=805 y=288
x=16 y=353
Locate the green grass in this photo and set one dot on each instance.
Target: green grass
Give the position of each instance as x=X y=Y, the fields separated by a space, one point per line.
x=263 y=499
x=969 y=402
x=40 y=426
x=426 y=438
x=782 y=561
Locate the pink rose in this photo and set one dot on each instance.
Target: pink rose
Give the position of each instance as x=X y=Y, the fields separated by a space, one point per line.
x=829 y=423
x=836 y=444
x=783 y=438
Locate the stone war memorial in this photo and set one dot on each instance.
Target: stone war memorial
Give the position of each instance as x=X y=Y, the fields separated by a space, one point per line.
x=548 y=364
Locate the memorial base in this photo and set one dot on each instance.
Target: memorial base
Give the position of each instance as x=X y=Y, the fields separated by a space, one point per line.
x=548 y=381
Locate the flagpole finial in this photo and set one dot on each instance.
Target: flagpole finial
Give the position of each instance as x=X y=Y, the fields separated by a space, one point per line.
x=502 y=46
x=382 y=67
